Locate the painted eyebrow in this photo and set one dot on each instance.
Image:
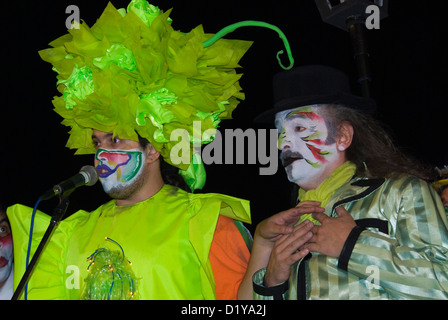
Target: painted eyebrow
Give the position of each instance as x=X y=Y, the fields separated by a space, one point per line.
x=303 y=115
x=296 y=115
x=290 y=117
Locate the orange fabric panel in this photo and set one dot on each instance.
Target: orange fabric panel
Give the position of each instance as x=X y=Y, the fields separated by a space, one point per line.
x=229 y=257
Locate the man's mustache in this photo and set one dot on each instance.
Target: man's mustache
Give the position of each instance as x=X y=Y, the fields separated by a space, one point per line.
x=287 y=157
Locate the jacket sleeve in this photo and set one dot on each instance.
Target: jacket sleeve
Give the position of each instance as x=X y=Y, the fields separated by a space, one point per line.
x=411 y=262
x=278 y=292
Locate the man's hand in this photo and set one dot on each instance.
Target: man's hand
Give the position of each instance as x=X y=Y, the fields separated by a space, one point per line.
x=270 y=230
x=285 y=254
x=329 y=238
x=278 y=233
x=282 y=223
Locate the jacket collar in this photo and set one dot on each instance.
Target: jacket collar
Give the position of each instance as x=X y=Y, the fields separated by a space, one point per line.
x=357 y=188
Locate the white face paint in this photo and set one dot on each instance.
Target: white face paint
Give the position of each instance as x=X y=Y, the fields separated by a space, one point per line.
x=119 y=169
x=306 y=147
x=6 y=249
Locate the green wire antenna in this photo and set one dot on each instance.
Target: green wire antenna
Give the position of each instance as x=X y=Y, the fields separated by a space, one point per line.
x=251 y=23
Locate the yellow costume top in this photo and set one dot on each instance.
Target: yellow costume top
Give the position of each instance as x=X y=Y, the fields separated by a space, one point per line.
x=166 y=238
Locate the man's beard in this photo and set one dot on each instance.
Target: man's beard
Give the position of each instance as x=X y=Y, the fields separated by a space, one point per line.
x=123 y=192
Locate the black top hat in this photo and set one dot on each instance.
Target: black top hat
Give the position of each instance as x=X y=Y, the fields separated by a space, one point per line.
x=313 y=84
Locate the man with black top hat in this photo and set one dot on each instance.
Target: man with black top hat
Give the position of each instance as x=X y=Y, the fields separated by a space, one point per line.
x=367 y=225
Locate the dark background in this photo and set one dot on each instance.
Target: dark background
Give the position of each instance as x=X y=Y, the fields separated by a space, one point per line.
x=408 y=60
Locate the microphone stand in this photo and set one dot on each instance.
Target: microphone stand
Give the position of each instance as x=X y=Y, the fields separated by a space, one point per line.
x=58 y=214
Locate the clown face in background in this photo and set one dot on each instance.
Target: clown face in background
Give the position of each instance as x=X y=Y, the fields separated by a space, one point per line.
x=6 y=259
x=308 y=149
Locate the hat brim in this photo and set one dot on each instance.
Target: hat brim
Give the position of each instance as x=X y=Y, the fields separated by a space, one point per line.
x=362 y=104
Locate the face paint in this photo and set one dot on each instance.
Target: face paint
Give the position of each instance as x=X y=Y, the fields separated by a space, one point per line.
x=303 y=141
x=6 y=257
x=118 y=169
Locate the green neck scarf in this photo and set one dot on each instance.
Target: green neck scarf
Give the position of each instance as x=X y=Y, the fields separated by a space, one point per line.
x=327 y=188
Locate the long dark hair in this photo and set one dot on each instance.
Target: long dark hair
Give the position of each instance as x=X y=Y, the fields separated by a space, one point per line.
x=372 y=149
x=170 y=174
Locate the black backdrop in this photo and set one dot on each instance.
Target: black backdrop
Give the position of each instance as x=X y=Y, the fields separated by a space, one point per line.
x=408 y=59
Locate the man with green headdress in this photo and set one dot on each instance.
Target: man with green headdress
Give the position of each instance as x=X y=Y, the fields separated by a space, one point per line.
x=127 y=84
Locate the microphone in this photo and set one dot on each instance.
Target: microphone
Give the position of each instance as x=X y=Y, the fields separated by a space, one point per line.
x=87 y=176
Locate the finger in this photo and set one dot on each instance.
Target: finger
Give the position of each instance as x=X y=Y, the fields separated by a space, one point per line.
x=314 y=237
x=281 y=241
x=311 y=209
x=311 y=247
x=301 y=229
x=298 y=231
x=280 y=223
x=320 y=216
x=341 y=211
x=291 y=212
x=294 y=241
x=306 y=225
x=278 y=229
x=297 y=243
x=290 y=216
x=308 y=203
x=298 y=255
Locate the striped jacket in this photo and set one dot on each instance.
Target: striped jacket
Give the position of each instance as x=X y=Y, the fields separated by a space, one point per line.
x=398 y=250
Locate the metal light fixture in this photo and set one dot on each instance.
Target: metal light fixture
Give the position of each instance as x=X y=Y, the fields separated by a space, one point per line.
x=350 y=15
x=342 y=13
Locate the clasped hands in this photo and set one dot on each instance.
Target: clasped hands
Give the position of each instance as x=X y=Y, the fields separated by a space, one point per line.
x=291 y=243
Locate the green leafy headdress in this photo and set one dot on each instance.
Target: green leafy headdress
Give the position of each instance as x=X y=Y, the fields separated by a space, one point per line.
x=131 y=72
